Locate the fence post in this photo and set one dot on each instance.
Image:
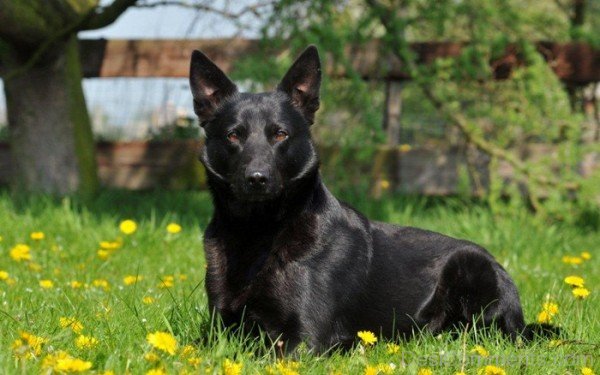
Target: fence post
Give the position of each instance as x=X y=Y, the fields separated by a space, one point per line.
x=393 y=109
x=387 y=160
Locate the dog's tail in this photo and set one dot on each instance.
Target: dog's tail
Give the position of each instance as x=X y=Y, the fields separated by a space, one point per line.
x=534 y=331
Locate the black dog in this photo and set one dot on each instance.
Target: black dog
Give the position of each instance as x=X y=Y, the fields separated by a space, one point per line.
x=285 y=255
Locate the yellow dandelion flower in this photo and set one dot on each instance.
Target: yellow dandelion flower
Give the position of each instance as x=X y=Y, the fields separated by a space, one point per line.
x=425 y=371
x=72 y=323
x=131 y=279
x=392 y=348
x=581 y=293
x=20 y=349
x=20 y=252
x=110 y=245
x=386 y=368
x=232 y=368
x=544 y=317
x=460 y=373
x=163 y=341
x=576 y=260
x=63 y=362
x=85 y=342
x=572 y=260
x=289 y=367
x=405 y=147
x=550 y=307
x=586 y=255
x=148 y=300
x=51 y=360
x=4 y=275
x=151 y=357
x=101 y=283
x=367 y=337
x=173 y=228
x=37 y=236
x=187 y=351
x=478 y=349
x=128 y=226
x=156 y=371
x=75 y=284
x=575 y=281
x=194 y=361
x=103 y=254
x=371 y=370
x=284 y=368
x=10 y=281
x=587 y=371
x=555 y=343
x=167 y=281
x=28 y=345
x=385 y=184
x=491 y=370
x=47 y=284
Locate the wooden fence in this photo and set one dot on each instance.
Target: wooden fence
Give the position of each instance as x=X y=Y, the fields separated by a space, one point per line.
x=429 y=170
x=573 y=63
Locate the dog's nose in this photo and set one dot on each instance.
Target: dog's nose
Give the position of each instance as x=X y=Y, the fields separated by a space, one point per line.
x=256 y=179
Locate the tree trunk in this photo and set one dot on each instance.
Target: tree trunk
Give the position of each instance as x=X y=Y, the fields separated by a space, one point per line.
x=50 y=132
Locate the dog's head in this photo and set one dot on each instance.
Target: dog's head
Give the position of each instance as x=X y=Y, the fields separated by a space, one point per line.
x=257 y=144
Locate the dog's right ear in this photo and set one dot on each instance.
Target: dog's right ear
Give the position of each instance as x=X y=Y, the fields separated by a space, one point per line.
x=210 y=86
x=303 y=81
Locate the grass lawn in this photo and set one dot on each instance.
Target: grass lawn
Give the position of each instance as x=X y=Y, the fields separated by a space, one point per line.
x=69 y=301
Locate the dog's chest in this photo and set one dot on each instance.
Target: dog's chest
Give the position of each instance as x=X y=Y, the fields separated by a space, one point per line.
x=250 y=278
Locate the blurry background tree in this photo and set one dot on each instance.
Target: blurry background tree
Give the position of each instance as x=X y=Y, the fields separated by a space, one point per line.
x=499 y=122
x=453 y=102
x=49 y=126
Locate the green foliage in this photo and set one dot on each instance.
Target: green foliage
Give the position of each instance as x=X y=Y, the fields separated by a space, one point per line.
x=180 y=129
x=524 y=122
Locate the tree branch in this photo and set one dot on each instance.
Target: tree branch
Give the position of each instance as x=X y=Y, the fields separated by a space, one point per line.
x=42 y=49
x=252 y=8
x=106 y=15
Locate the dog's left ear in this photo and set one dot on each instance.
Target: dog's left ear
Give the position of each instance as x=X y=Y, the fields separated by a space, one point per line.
x=302 y=82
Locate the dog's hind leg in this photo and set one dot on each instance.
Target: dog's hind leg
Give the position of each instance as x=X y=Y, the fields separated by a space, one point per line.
x=471 y=285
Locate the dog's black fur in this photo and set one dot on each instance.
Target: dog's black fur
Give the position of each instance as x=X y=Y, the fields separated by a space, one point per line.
x=285 y=255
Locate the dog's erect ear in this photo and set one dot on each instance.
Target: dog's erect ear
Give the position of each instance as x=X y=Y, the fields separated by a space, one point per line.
x=210 y=86
x=302 y=82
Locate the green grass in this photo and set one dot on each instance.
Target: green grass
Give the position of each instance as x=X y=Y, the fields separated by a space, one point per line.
x=531 y=250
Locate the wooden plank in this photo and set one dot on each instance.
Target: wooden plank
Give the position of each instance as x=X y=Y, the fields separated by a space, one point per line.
x=574 y=63
x=392 y=112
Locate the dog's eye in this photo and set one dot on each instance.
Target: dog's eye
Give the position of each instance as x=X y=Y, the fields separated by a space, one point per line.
x=281 y=135
x=233 y=136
